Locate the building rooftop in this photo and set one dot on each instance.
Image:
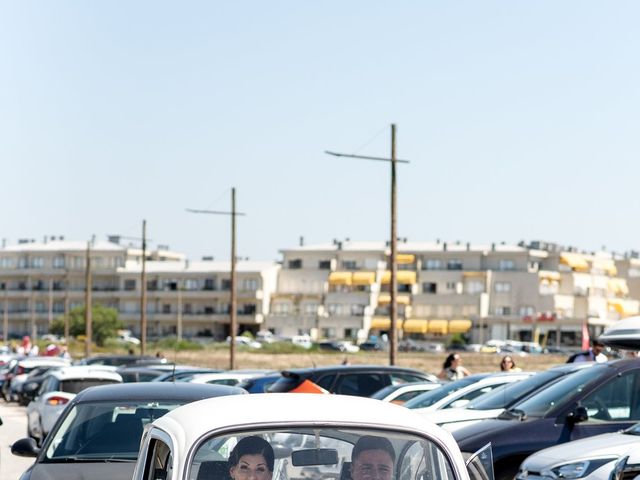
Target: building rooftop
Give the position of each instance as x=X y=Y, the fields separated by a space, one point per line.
x=133 y=266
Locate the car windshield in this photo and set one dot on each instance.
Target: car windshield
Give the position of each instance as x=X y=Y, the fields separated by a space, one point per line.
x=548 y=399
x=429 y=398
x=103 y=431
x=319 y=452
x=634 y=430
x=506 y=395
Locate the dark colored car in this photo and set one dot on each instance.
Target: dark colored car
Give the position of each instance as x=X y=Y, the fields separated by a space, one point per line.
x=259 y=384
x=98 y=434
x=600 y=399
x=358 y=380
x=373 y=346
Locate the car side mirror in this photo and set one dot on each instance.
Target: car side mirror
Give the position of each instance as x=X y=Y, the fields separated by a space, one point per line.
x=25 y=447
x=579 y=415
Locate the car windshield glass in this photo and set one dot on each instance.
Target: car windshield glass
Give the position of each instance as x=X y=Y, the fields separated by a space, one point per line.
x=77 y=385
x=634 y=430
x=320 y=452
x=382 y=393
x=550 y=398
x=429 y=398
x=504 y=396
x=103 y=431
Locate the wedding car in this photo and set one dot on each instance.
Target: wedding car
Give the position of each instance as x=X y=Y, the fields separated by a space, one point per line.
x=310 y=436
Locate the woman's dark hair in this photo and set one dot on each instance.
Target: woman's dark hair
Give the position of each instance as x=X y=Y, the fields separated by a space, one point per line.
x=449 y=360
x=252 y=446
x=502 y=363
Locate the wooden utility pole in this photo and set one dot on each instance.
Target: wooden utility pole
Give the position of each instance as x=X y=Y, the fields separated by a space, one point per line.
x=393 y=340
x=88 y=320
x=233 y=322
x=5 y=314
x=143 y=290
x=233 y=319
x=179 y=327
x=393 y=267
x=66 y=307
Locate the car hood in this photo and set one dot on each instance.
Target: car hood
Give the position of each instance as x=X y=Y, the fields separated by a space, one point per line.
x=477 y=435
x=452 y=415
x=607 y=444
x=83 y=471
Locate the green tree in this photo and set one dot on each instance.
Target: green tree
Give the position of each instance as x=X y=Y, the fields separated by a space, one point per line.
x=105 y=323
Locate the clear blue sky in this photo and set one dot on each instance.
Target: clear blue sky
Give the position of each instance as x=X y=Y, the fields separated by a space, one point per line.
x=521 y=120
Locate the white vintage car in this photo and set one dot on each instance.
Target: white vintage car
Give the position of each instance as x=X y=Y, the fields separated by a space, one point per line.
x=312 y=437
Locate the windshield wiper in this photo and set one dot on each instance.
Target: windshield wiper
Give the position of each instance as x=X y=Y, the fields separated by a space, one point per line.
x=513 y=413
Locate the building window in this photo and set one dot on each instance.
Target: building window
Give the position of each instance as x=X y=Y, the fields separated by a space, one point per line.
x=349 y=265
x=295 y=264
x=502 y=287
x=40 y=308
x=208 y=310
x=454 y=264
x=37 y=262
x=502 y=311
x=452 y=286
x=310 y=308
x=226 y=284
x=248 y=309
x=281 y=308
x=474 y=287
x=152 y=285
x=357 y=310
x=190 y=284
x=166 y=308
x=432 y=264
x=335 y=309
x=6 y=262
x=58 y=262
x=22 y=262
x=249 y=284
x=209 y=284
x=429 y=287
x=506 y=265
x=129 y=285
x=324 y=265
x=526 y=311
x=188 y=308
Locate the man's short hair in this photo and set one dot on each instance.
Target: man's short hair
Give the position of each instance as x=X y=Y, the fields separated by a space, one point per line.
x=597 y=343
x=370 y=442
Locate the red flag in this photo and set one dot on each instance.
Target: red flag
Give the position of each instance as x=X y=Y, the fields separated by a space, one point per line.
x=585 y=336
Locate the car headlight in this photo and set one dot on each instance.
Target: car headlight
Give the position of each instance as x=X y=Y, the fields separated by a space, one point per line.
x=575 y=470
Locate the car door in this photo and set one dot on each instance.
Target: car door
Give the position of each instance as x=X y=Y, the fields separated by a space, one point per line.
x=611 y=406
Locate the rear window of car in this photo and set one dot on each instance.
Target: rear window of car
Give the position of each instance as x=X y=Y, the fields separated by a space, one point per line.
x=361 y=384
x=76 y=386
x=285 y=384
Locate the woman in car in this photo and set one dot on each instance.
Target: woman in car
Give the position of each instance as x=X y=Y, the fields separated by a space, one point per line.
x=252 y=458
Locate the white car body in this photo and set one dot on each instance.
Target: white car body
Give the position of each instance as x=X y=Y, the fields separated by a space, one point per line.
x=45 y=409
x=453 y=419
x=347 y=346
x=245 y=341
x=594 y=456
x=29 y=363
x=171 y=446
x=461 y=397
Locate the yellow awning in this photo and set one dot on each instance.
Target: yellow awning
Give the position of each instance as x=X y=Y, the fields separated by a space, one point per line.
x=607 y=265
x=549 y=275
x=459 y=326
x=618 y=286
x=415 y=325
x=438 y=326
x=385 y=298
x=405 y=258
x=363 y=278
x=474 y=274
x=621 y=306
x=404 y=277
x=575 y=261
x=384 y=323
x=340 y=278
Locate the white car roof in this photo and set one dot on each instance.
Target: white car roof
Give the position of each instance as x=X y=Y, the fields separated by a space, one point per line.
x=190 y=422
x=40 y=361
x=87 y=371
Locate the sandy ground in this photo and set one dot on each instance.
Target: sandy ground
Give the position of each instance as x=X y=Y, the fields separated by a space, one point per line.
x=475 y=362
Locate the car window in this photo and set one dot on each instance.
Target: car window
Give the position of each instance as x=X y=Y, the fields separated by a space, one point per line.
x=616 y=400
x=103 y=430
x=324 y=454
x=325 y=381
x=360 y=384
x=159 y=462
x=406 y=396
x=397 y=378
x=555 y=396
x=463 y=400
x=77 y=385
x=429 y=398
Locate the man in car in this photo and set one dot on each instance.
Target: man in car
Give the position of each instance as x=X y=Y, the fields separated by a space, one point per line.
x=372 y=458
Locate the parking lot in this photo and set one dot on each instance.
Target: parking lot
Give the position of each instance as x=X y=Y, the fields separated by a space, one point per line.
x=14 y=427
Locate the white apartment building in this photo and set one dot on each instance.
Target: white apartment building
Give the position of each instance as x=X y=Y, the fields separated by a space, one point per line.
x=529 y=292
x=40 y=281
